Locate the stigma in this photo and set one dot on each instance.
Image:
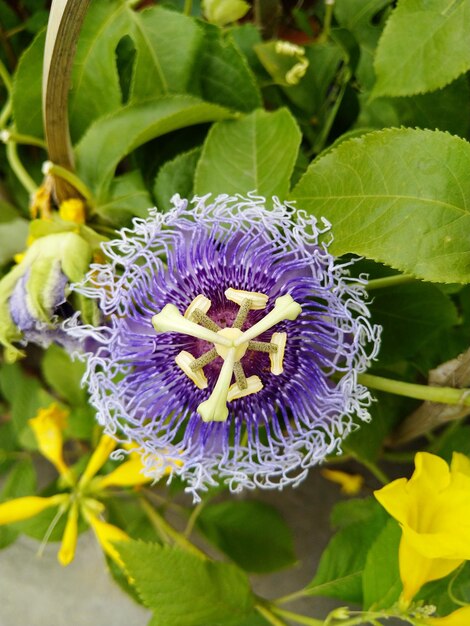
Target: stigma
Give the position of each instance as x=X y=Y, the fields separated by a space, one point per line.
x=230 y=343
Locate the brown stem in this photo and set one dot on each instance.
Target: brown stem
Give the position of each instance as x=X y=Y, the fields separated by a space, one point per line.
x=65 y=21
x=430 y=415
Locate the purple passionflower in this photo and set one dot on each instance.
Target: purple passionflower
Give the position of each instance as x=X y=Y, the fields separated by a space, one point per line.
x=231 y=344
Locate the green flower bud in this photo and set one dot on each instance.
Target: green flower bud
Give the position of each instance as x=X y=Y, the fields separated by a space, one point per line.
x=222 y=12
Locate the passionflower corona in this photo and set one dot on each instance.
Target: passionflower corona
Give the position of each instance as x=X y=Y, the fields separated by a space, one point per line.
x=231 y=342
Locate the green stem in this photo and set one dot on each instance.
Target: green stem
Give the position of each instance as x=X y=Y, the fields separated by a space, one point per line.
x=192 y=519
x=375 y=470
x=188 y=7
x=20 y=172
x=70 y=177
x=163 y=527
x=296 y=617
x=291 y=597
x=5 y=76
x=329 y=4
x=269 y=615
x=389 y=281
x=442 y=395
x=5 y=114
x=29 y=140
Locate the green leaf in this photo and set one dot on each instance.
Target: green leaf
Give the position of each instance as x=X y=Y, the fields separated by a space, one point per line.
x=225 y=76
x=251 y=533
x=111 y=138
x=440 y=110
x=256 y=153
x=21 y=481
x=64 y=375
x=27 y=90
x=176 y=176
x=25 y=396
x=360 y=18
x=185 y=590
x=397 y=196
x=423 y=47
x=381 y=578
x=127 y=198
x=13 y=232
x=366 y=442
x=411 y=316
x=339 y=573
x=166 y=43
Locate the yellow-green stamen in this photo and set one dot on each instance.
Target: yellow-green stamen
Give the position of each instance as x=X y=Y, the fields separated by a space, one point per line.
x=230 y=344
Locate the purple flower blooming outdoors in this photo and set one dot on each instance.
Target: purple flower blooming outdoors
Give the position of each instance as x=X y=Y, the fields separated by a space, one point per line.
x=231 y=343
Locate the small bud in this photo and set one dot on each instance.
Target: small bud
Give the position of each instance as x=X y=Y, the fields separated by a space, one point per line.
x=222 y=12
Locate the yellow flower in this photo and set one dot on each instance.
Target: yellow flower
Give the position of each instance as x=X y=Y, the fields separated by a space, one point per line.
x=433 y=509
x=351 y=484
x=73 y=210
x=107 y=535
x=68 y=546
x=47 y=427
x=99 y=457
x=23 y=508
x=460 y=617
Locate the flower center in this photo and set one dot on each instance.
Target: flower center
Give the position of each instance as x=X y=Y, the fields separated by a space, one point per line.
x=230 y=343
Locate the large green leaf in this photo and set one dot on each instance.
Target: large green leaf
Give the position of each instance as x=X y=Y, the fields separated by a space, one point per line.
x=185 y=590
x=398 y=196
x=176 y=176
x=441 y=109
x=339 y=573
x=360 y=18
x=165 y=48
x=411 y=316
x=64 y=375
x=112 y=137
x=255 y=153
x=27 y=89
x=13 y=232
x=224 y=74
x=424 y=46
x=252 y=534
x=381 y=578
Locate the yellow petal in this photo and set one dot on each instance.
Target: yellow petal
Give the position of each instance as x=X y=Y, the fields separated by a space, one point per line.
x=416 y=569
x=73 y=210
x=99 y=457
x=69 y=540
x=460 y=617
x=29 y=506
x=47 y=427
x=394 y=498
x=107 y=535
x=460 y=464
x=126 y=475
x=351 y=484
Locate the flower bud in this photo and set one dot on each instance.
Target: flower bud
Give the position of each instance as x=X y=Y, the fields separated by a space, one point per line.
x=31 y=292
x=222 y=12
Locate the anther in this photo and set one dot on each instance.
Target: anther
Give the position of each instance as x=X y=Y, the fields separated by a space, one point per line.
x=258 y=300
x=170 y=320
x=185 y=361
x=240 y=375
x=262 y=346
x=285 y=308
x=201 y=303
x=277 y=358
x=204 y=359
x=254 y=385
x=201 y=318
